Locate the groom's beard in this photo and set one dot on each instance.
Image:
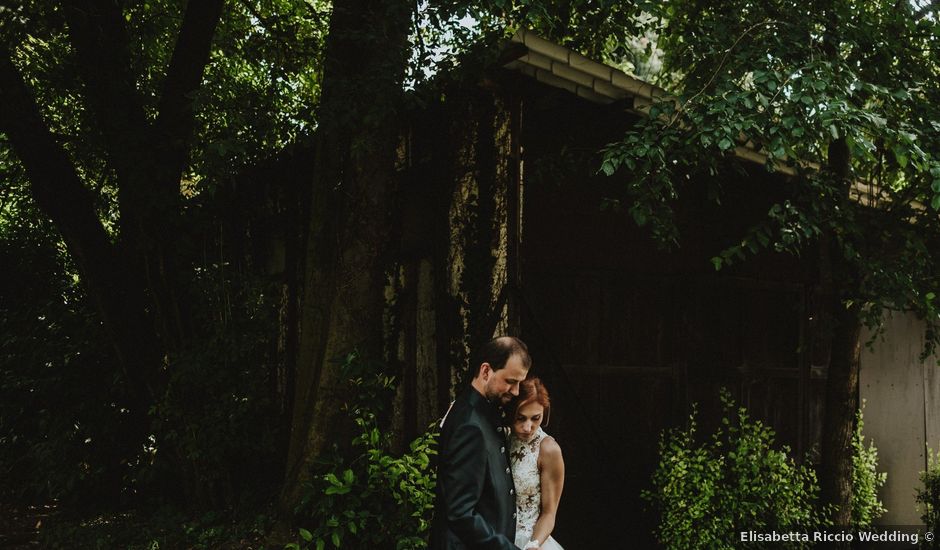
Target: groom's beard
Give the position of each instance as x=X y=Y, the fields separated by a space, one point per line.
x=499 y=399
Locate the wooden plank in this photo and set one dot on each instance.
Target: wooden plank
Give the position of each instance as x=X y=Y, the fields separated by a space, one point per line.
x=621 y=370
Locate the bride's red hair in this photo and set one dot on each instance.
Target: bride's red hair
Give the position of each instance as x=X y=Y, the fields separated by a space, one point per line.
x=532 y=390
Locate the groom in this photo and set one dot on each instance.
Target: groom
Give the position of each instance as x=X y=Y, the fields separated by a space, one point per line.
x=475 y=501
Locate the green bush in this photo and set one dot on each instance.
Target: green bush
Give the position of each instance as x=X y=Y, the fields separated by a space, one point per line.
x=866 y=480
x=374 y=499
x=219 y=413
x=71 y=430
x=928 y=496
x=64 y=427
x=162 y=528
x=708 y=493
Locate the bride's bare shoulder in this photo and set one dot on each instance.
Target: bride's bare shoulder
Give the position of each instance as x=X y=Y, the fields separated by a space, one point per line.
x=550 y=449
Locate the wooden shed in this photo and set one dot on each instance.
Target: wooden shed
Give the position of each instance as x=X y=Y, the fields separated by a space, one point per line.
x=626 y=335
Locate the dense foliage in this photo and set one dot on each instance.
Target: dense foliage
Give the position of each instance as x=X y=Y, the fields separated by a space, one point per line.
x=376 y=498
x=866 y=479
x=708 y=492
x=844 y=97
x=72 y=425
x=928 y=496
x=708 y=488
x=64 y=407
x=62 y=418
x=163 y=528
x=840 y=99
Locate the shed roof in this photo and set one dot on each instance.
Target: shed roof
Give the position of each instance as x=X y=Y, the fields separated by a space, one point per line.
x=557 y=66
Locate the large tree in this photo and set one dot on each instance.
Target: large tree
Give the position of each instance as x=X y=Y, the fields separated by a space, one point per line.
x=124 y=146
x=136 y=283
x=167 y=126
x=147 y=157
x=349 y=234
x=842 y=96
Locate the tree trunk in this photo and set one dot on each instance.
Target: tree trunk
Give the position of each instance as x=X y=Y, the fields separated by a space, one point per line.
x=61 y=194
x=842 y=324
x=149 y=159
x=349 y=228
x=841 y=407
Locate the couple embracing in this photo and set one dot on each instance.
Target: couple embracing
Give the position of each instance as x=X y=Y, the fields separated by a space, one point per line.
x=498 y=482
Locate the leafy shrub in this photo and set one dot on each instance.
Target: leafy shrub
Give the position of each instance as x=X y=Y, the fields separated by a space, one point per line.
x=928 y=496
x=707 y=493
x=866 y=480
x=64 y=427
x=70 y=428
x=374 y=499
x=162 y=528
x=218 y=412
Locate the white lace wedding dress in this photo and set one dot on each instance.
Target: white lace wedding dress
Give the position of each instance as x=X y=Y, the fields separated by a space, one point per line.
x=524 y=458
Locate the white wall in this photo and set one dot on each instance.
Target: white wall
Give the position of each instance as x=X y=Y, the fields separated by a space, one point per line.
x=901 y=413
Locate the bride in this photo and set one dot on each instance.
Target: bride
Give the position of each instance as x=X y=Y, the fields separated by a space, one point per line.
x=538 y=469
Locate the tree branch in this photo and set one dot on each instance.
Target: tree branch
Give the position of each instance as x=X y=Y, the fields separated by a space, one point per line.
x=148 y=158
x=61 y=194
x=721 y=64
x=174 y=125
x=97 y=31
x=55 y=184
x=98 y=34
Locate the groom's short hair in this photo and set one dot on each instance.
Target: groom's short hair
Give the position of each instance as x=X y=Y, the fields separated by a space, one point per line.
x=497 y=352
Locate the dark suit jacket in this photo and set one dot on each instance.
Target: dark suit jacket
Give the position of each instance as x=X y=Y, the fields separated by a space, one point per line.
x=476 y=502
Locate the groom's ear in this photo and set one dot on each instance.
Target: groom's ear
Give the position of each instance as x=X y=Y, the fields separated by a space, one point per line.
x=485 y=371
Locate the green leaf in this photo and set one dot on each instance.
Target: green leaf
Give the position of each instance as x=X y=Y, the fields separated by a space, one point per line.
x=901 y=156
x=305 y=534
x=763 y=238
x=880 y=121
x=716 y=261
x=724 y=144
x=935 y=203
x=638 y=216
